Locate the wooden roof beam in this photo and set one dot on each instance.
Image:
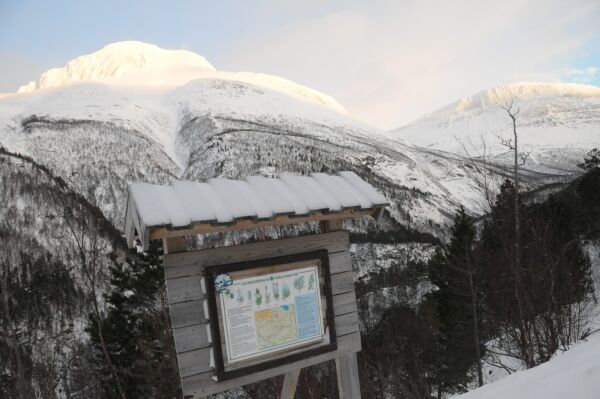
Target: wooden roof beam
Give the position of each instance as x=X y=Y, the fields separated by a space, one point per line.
x=244 y=224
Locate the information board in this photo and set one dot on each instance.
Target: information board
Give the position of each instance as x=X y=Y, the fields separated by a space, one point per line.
x=270 y=312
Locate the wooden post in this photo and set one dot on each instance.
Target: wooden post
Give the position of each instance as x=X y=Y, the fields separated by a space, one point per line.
x=327 y=226
x=190 y=282
x=346 y=366
x=290 y=381
x=347 y=376
x=173 y=245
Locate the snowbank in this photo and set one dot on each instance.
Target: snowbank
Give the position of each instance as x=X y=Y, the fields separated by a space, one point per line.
x=574 y=374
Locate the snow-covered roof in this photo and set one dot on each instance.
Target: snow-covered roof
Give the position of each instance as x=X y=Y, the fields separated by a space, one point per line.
x=220 y=201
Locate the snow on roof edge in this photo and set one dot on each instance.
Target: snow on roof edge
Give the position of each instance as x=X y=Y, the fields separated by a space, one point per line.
x=223 y=201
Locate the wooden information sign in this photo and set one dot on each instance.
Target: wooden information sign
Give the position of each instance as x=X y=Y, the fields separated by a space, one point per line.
x=245 y=313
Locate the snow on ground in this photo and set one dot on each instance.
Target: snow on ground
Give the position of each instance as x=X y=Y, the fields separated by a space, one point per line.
x=574 y=374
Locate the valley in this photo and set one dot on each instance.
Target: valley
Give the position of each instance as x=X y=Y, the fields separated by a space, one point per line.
x=133 y=112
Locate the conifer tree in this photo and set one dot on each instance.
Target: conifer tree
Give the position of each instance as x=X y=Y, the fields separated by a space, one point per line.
x=458 y=301
x=591 y=161
x=539 y=304
x=137 y=329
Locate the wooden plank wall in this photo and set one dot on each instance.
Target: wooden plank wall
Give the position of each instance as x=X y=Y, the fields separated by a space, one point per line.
x=183 y=273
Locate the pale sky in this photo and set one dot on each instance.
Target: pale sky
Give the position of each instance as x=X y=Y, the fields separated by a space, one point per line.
x=387 y=62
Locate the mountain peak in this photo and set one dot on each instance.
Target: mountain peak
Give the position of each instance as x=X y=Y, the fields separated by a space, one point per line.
x=133 y=63
x=120 y=60
x=522 y=91
x=555 y=121
x=149 y=55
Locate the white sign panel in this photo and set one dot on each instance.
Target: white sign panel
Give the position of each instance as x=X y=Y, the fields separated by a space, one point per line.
x=270 y=312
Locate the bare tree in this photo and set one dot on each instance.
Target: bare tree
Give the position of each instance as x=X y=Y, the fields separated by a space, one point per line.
x=480 y=170
x=85 y=232
x=519 y=160
x=514 y=146
x=541 y=303
x=11 y=335
x=7 y=272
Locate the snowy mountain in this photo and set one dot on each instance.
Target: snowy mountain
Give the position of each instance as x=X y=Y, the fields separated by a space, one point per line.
x=123 y=60
x=557 y=124
x=134 y=63
x=134 y=112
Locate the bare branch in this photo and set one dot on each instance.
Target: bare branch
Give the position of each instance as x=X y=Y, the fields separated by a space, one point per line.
x=478 y=167
x=524 y=156
x=508 y=107
x=508 y=143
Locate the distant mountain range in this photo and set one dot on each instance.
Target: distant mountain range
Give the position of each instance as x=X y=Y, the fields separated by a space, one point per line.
x=557 y=124
x=133 y=112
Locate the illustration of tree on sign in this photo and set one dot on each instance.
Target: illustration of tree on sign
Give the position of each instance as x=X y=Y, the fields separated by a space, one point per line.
x=311 y=282
x=276 y=291
x=258 y=297
x=240 y=297
x=299 y=283
x=249 y=296
x=286 y=291
x=267 y=295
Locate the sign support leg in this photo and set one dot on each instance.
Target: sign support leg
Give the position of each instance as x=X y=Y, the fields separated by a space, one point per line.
x=174 y=245
x=288 y=391
x=347 y=375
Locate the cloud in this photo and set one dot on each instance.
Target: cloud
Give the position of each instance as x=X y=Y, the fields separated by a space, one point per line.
x=582 y=75
x=390 y=62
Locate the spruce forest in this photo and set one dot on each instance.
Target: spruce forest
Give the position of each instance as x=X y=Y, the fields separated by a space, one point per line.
x=481 y=309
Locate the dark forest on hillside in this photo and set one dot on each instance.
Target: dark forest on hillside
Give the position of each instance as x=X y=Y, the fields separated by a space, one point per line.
x=428 y=349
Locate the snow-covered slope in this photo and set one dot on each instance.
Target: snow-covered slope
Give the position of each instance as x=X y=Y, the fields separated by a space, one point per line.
x=101 y=126
x=123 y=115
x=557 y=124
x=132 y=112
x=134 y=63
x=571 y=374
x=120 y=60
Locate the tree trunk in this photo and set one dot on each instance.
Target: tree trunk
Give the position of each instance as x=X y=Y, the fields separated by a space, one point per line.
x=89 y=272
x=476 y=330
x=518 y=289
x=111 y=366
x=516 y=198
x=476 y=338
x=13 y=342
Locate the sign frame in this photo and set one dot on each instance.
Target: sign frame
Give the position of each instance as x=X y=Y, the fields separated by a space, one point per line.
x=210 y=272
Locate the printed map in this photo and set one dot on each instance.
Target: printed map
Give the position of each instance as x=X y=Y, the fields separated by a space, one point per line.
x=276 y=326
x=270 y=312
